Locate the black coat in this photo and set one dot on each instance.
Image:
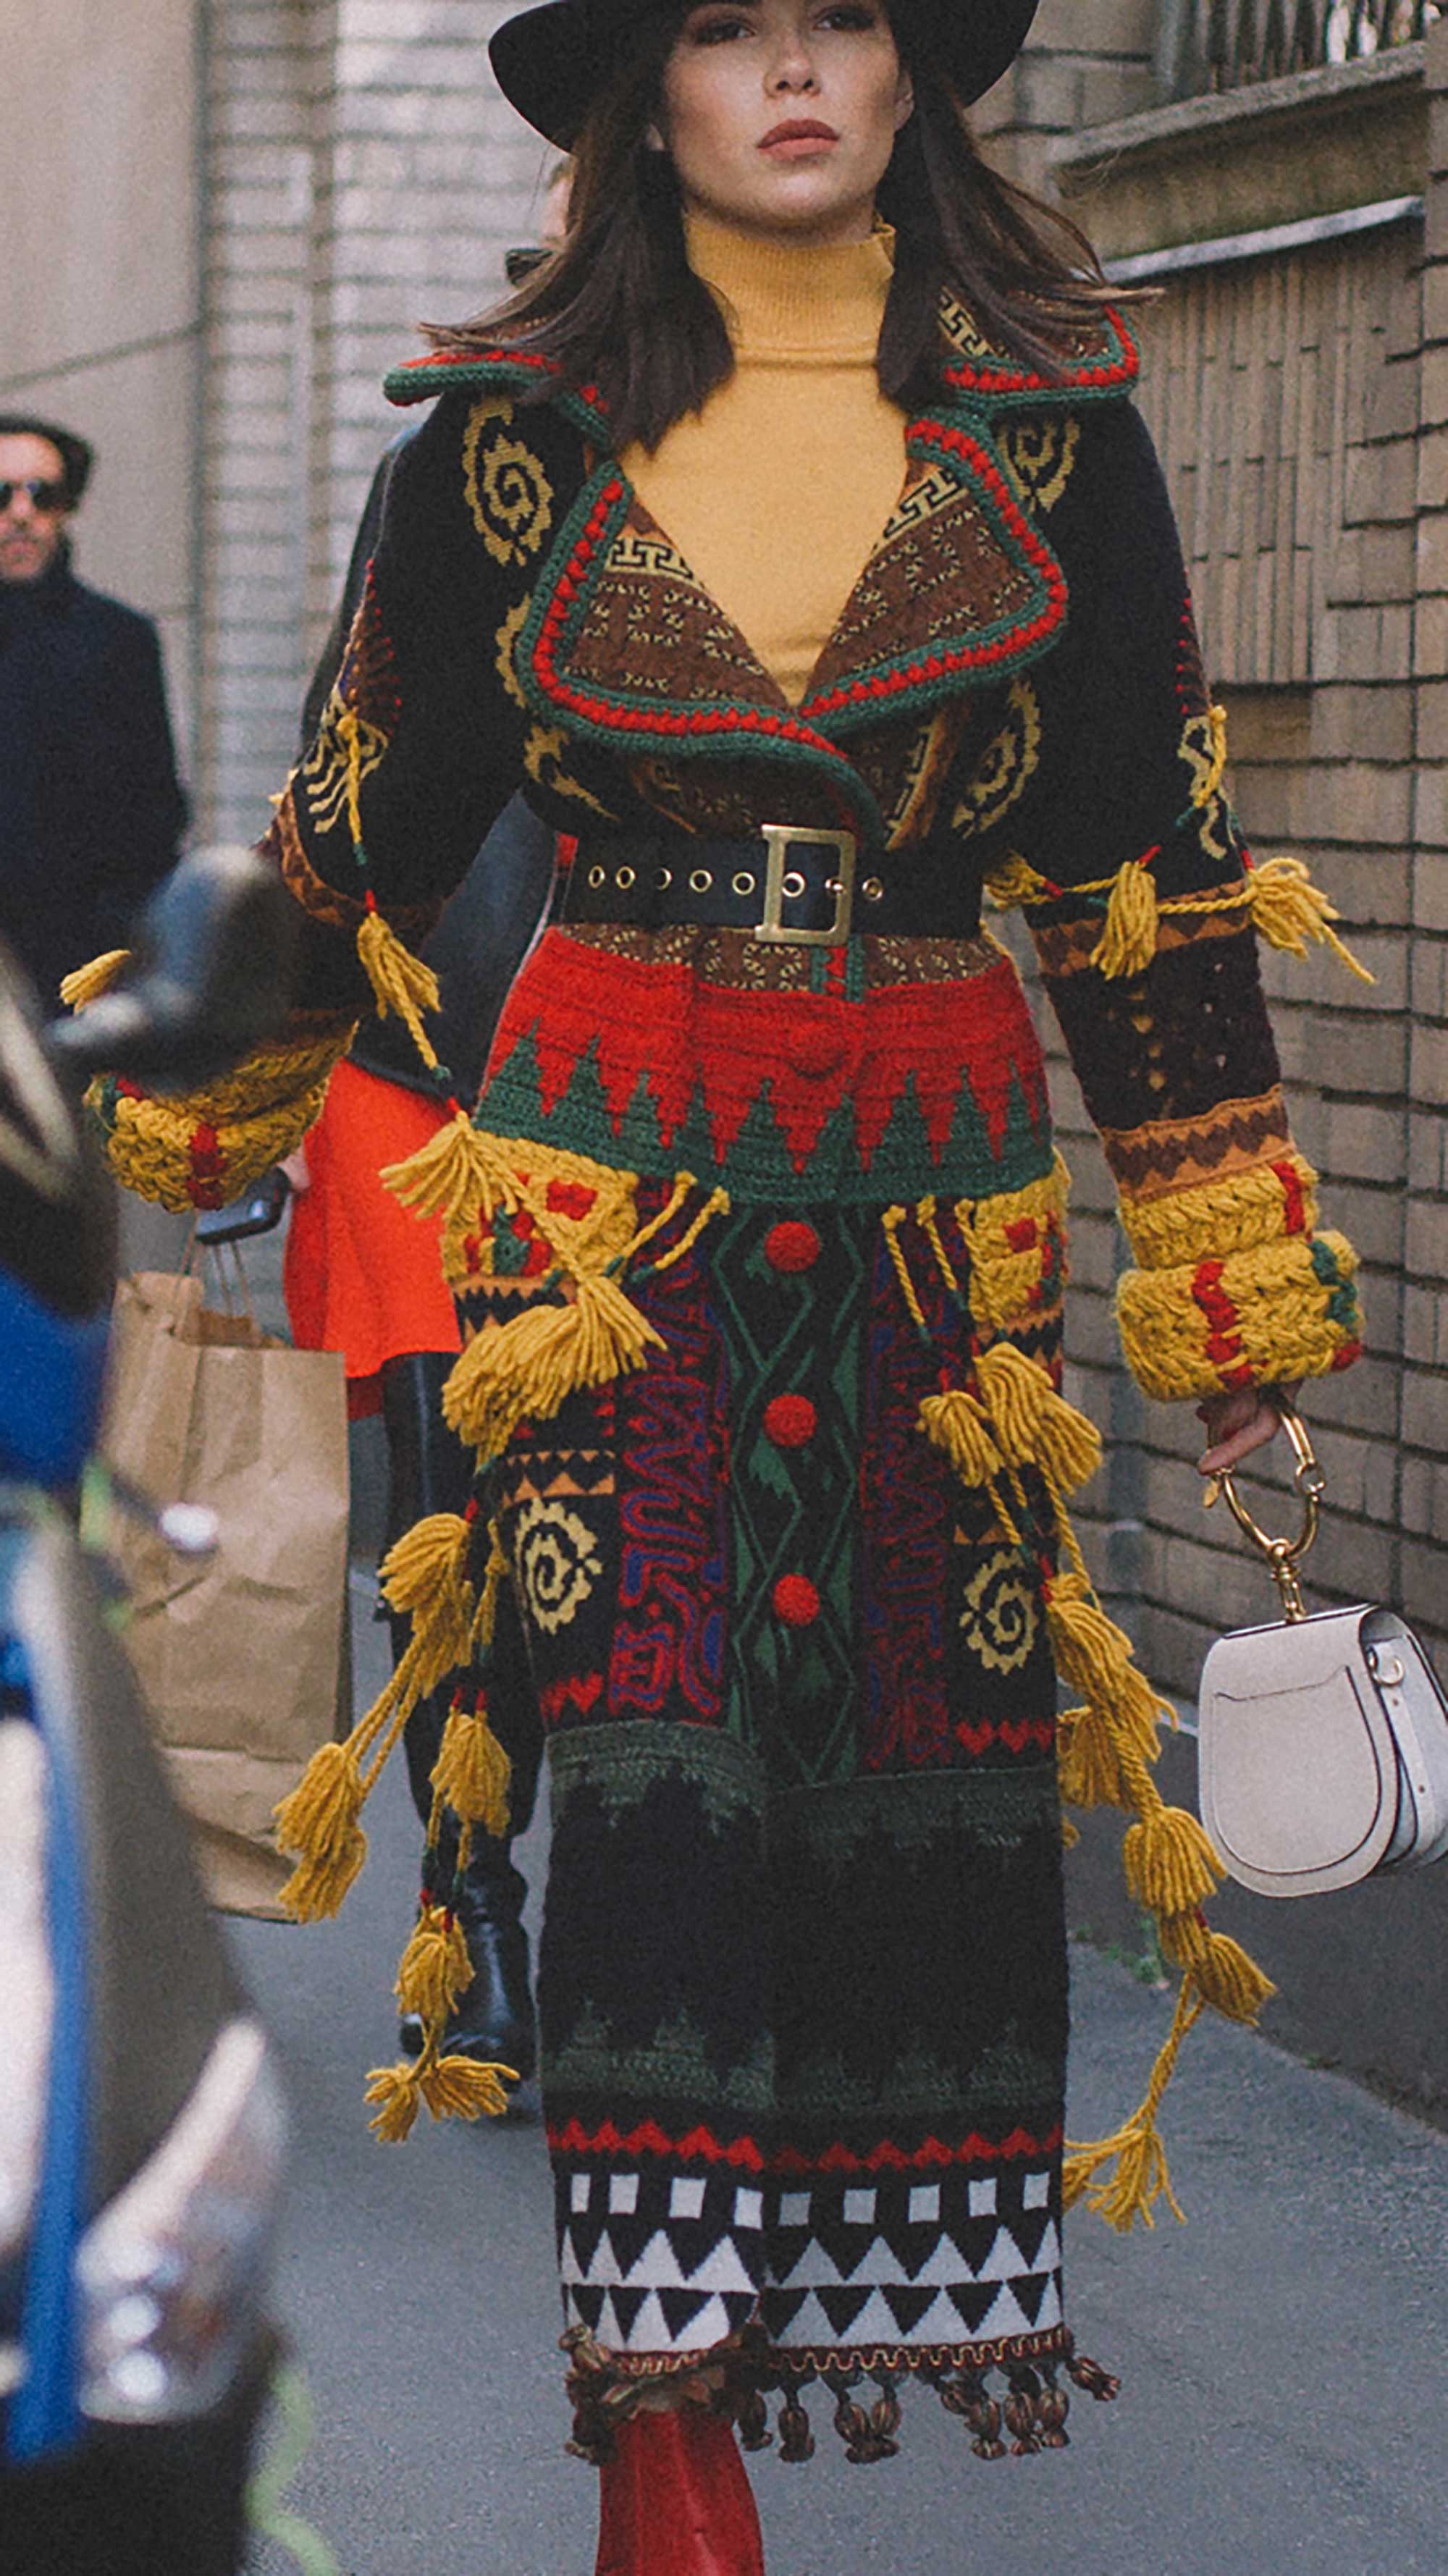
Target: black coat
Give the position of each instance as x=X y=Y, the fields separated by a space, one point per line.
x=482 y=939
x=91 y=812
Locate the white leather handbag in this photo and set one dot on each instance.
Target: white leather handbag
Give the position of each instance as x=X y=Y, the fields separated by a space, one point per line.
x=1323 y=1741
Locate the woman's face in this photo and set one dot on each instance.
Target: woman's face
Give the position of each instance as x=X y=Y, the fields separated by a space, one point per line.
x=780 y=115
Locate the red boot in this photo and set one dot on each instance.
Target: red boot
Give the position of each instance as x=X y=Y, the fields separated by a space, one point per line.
x=676 y=2500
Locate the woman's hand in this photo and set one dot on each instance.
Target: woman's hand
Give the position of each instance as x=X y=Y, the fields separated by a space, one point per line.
x=1240 y=1422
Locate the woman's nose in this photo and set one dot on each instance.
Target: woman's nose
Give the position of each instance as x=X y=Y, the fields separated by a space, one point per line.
x=792 y=69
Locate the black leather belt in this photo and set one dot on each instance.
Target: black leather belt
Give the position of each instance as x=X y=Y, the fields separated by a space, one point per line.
x=786 y=885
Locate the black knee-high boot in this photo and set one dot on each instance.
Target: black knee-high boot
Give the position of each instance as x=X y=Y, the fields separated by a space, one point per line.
x=430 y=1472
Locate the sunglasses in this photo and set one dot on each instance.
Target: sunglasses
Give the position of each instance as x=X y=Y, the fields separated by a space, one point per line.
x=45 y=497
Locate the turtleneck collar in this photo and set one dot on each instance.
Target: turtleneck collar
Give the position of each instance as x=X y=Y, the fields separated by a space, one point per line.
x=797 y=300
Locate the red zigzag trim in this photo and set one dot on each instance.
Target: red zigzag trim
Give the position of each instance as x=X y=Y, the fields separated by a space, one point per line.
x=701 y=2145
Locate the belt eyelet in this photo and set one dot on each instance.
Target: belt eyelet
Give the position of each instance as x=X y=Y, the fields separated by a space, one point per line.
x=794 y=883
x=663 y=879
x=744 y=883
x=873 y=889
x=625 y=879
x=597 y=876
x=700 y=881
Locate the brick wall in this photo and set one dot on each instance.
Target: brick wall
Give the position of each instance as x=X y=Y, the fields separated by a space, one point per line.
x=256 y=391
x=101 y=293
x=1424 y=1491
x=1293 y=401
x=1283 y=397
x=1086 y=61
x=364 y=174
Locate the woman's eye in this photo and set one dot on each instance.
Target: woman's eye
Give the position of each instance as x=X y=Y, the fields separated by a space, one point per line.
x=717 y=31
x=853 y=16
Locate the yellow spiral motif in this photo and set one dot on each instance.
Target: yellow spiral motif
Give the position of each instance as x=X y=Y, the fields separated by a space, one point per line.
x=1041 y=455
x=1005 y=766
x=1000 y=1621
x=508 y=492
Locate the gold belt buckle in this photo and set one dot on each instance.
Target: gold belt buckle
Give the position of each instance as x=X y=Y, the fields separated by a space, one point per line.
x=782 y=885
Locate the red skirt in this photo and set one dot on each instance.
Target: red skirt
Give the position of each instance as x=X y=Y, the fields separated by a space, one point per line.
x=363 y=1276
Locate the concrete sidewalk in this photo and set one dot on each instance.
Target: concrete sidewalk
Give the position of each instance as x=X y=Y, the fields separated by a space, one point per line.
x=1284 y=2355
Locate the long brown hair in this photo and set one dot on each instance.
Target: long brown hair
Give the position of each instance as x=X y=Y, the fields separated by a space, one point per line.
x=619 y=306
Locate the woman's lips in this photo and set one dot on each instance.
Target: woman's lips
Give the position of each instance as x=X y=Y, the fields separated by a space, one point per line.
x=797 y=140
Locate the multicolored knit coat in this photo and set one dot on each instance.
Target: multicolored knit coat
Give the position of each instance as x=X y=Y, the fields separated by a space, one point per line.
x=763 y=1246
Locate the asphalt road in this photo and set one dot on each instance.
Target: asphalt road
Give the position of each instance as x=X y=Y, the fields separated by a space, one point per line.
x=1284 y=2355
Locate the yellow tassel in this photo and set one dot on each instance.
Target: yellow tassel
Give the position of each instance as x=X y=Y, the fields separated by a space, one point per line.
x=891 y=1220
x=1141 y=2177
x=397 y=2093
x=1128 y=943
x=956 y=1424
x=1288 y=910
x=319 y=1823
x=488 y=1388
x=1033 y=1425
x=523 y=1371
x=460 y=2088
x=1170 y=1866
x=495 y=1575
x=435 y=1966
x=423 y=1576
x=1086 y=1761
x=1230 y=1982
x=616 y=1337
x=454 y=2088
x=1070 y=1834
x=88 y=982
x=1219 y=1968
x=400 y=982
x=1095 y=1657
x=457 y=1175
x=472 y=1772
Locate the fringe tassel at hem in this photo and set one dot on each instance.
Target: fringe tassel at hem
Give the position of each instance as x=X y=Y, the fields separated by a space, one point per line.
x=735 y=2379
x=1008 y=1421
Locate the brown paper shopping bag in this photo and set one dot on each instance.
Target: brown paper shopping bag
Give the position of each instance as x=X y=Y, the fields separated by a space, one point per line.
x=242 y=1655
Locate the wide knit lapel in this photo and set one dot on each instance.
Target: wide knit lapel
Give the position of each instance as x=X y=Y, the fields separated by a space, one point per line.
x=962 y=589
x=625 y=645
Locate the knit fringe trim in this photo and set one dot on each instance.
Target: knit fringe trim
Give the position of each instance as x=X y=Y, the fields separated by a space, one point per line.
x=1009 y=1420
x=580 y=1328
x=1008 y=2396
x=1278 y=895
x=426 y=1576
x=522 y=1370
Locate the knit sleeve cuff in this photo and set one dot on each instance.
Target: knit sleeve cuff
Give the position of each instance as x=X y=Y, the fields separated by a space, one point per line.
x=1235 y=1287
x=202 y=1149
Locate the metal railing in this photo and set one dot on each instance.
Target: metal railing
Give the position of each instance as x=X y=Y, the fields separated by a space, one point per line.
x=1225 y=44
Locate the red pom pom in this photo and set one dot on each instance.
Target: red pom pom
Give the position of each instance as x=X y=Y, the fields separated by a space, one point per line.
x=796 y=1601
x=792 y=1245
x=815 y=1049
x=789 y=1421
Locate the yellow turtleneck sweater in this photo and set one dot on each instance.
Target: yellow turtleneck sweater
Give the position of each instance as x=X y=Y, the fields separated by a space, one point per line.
x=776 y=493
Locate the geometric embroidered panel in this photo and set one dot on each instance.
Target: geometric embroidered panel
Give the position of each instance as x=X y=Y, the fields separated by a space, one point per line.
x=653 y=2260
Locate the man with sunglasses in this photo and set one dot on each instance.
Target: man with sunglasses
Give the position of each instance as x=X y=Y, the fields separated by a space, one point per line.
x=91 y=813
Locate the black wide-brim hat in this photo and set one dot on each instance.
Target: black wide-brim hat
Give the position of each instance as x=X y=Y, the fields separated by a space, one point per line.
x=550 y=62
